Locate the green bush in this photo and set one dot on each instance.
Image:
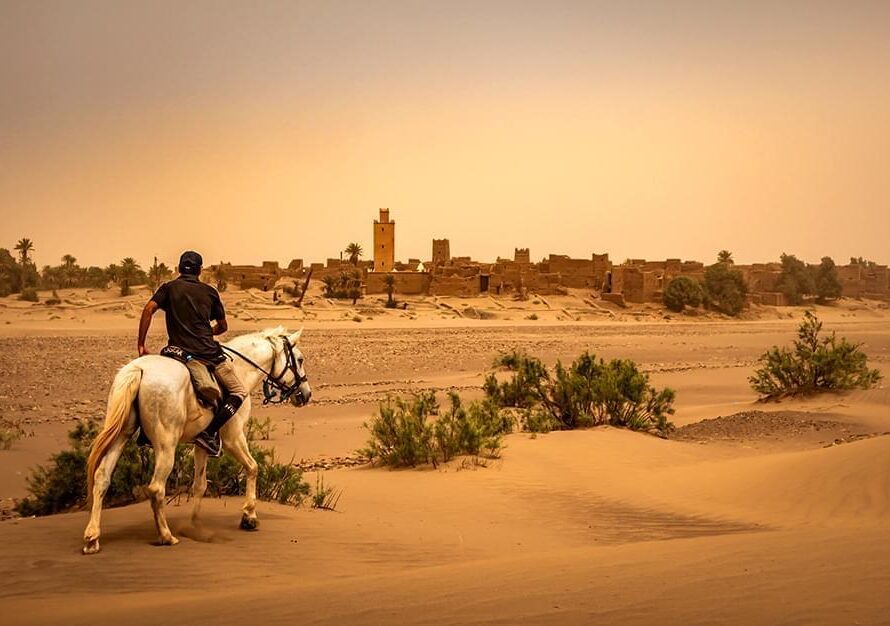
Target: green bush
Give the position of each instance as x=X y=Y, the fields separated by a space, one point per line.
x=682 y=292
x=403 y=435
x=525 y=387
x=61 y=485
x=588 y=393
x=29 y=295
x=815 y=364
x=725 y=289
x=537 y=420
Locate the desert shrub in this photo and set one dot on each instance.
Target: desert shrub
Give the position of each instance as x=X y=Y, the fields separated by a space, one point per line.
x=524 y=389
x=474 y=429
x=61 y=485
x=9 y=435
x=724 y=289
x=682 y=292
x=259 y=429
x=54 y=300
x=537 y=420
x=325 y=497
x=815 y=364
x=29 y=294
x=533 y=317
x=403 y=435
x=400 y=434
x=587 y=393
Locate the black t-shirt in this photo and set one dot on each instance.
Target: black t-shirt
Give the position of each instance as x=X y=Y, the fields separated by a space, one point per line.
x=189 y=306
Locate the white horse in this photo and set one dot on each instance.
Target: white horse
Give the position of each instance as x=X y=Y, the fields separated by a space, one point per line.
x=155 y=393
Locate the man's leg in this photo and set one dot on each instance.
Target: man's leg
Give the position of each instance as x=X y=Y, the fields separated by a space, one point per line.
x=209 y=438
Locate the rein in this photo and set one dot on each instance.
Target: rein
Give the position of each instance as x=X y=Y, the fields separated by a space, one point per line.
x=273 y=383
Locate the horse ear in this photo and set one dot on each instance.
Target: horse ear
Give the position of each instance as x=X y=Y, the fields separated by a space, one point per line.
x=295 y=337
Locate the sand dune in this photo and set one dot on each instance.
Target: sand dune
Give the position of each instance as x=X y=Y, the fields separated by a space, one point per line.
x=747 y=521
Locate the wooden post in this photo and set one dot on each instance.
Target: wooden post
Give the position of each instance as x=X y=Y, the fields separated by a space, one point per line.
x=305 y=287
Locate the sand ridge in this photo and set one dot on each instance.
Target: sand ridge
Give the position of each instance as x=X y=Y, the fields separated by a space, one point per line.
x=751 y=513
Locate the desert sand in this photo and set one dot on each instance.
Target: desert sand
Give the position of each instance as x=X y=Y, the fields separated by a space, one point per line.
x=751 y=513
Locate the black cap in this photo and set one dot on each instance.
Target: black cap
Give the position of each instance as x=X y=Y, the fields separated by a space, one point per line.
x=190 y=263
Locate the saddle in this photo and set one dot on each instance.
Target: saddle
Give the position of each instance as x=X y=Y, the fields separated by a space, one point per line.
x=207 y=388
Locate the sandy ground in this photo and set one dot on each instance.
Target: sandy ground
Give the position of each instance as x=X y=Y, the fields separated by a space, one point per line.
x=751 y=513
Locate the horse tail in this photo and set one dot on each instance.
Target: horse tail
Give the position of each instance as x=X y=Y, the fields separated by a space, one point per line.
x=120 y=401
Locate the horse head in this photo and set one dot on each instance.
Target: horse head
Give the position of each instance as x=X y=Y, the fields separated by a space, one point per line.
x=297 y=370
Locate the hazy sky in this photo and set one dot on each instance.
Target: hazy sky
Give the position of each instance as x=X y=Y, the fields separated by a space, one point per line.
x=274 y=130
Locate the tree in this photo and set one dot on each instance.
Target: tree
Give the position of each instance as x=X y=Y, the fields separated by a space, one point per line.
x=10 y=274
x=113 y=272
x=796 y=281
x=330 y=285
x=725 y=289
x=854 y=260
x=70 y=271
x=95 y=277
x=24 y=247
x=128 y=274
x=681 y=292
x=389 y=284
x=725 y=256
x=52 y=277
x=354 y=251
x=158 y=273
x=827 y=284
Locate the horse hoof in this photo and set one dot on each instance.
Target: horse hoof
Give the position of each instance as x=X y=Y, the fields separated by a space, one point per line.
x=249 y=523
x=91 y=547
x=169 y=541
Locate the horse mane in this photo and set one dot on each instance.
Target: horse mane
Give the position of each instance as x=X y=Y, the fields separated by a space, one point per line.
x=265 y=334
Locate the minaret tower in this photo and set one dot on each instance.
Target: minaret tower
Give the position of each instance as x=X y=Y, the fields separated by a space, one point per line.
x=384 y=243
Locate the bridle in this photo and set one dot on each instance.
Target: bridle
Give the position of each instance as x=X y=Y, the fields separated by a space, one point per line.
x=274 y=384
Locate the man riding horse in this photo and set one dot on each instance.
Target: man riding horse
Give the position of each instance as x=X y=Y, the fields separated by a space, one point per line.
x=194 y=315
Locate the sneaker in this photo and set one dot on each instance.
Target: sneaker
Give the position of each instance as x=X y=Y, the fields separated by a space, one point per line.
x=210 y=443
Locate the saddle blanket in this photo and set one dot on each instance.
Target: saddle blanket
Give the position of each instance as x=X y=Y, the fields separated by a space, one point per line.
x=207 y=388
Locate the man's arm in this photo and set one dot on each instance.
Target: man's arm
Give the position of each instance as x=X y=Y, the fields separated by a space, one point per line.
x=220 y=326
x=144 y=323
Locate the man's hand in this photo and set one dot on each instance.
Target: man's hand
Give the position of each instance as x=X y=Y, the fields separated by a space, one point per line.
x=144 y=323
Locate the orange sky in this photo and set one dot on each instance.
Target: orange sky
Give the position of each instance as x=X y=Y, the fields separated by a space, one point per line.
x=275 y=131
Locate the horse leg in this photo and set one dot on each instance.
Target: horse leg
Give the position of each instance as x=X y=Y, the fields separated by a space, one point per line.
x=240 y=450
x=157 y=490
x=199 y=485
x=100 y=486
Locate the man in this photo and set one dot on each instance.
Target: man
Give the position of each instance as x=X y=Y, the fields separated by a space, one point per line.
x=194 y=314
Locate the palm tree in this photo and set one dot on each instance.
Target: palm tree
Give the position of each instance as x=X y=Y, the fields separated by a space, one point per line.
x=344 y=280
x=725 y=256
x=330 y=284
x=389 y=282
x=158 y=273
x=113 y=272
x=128 y=272
x=25 y=247
x=354 y=251
x=69 y=270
